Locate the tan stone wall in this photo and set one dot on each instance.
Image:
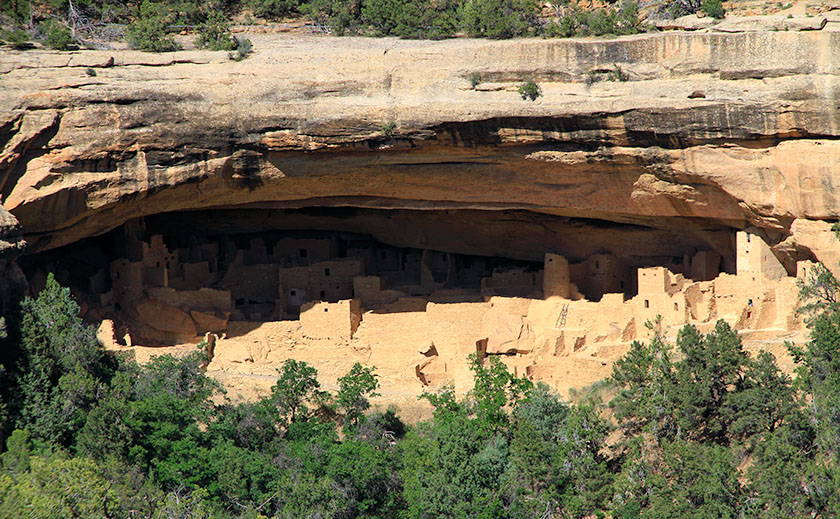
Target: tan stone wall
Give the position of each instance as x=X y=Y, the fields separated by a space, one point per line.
x=201 y=299
x=556 y=278
x=336 y=321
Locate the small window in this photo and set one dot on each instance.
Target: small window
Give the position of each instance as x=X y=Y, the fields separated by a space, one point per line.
x=748 y=238
x=167 y=265
x=621 y=284
x=323 y=294
x=326 y=309
x=158 y=264
x=749 y=302
x=597 y=266
x=118 y=275
x=240 y=301
x=326 y=272
x=676 y=306
x=303 y=253
x=550 y=260
x=292 y=293
x=647 y=303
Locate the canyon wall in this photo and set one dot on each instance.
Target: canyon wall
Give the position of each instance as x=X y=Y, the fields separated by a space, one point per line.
x=645 y=148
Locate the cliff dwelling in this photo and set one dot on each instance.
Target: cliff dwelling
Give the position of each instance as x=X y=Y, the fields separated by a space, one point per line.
x=283 y=221
x=326 y=280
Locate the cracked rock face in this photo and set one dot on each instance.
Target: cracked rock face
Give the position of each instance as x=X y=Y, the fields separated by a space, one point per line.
x=708 y=133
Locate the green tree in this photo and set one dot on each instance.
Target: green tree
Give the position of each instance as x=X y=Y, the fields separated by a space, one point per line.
x=818 y=376
x=274 y=9
x=58 y=36
x=697 y=481
x=355 y=388
x=214 y=33
x=498 y=18
x=148 y=30
x=298 y=385
x=62 y=370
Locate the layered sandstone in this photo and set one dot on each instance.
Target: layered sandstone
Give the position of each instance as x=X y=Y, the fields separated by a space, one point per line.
x=709 y=131
x=644 y=148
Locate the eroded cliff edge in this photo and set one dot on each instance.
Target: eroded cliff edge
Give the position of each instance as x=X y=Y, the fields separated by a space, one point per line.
x=708 y=130
x=646 y=148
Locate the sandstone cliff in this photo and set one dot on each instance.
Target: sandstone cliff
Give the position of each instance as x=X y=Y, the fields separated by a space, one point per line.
x=650 y=149
x=708 y=132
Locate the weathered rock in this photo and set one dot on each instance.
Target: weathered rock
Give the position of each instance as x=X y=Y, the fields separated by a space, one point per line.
x=12 y=280
x=384 y=124
x=690 y=22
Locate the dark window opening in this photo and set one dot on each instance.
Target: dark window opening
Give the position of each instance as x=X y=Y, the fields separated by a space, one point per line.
x=326 y=309
x=240 y=301
x=676 y=306
x=323 y=294
x=326 y=272
x=303 y=253
x=647 y=303
x=597 y=266
x=292 y=293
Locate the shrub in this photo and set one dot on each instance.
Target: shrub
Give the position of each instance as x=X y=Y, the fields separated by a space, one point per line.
x=148 y=31
x=18 y=39
x=677 y=8
x=214 y=33
x=499 y=18
x=340 y=16
x=388 y=129
x=475 y=79
x=243 y=48
x=411 y=19
x=600 y=22
x=617 y=74
x=713 y=8
x=58 y=36
x=274 y=9
x=529 y=90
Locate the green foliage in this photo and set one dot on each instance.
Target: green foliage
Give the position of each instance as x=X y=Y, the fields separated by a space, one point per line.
x=17 y=38
x=529 y=90
x=474 y=78
x=695 y=481
x=388 y=129
x=707 y=432
x=818 y=374
x=61 y=366
x=411 y=19
x=58 y=36
x=243 y=49
x=214 y=33
x=498 y=18
x=297 y=385
x=148 y=30
x=819 y=291
x=713 y=8
x=340 y=16
x=598 y=22
x=274 y=9
x=355 y=388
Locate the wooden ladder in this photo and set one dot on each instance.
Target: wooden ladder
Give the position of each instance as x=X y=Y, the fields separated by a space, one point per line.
x=561 y=320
